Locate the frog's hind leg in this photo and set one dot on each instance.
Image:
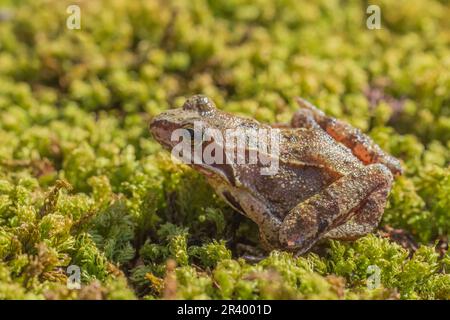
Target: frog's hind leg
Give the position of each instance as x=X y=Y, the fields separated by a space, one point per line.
x=310 y=220
x=365 y=219
x=361 y=145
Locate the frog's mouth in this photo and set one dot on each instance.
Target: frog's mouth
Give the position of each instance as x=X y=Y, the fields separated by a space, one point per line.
x=223 y=171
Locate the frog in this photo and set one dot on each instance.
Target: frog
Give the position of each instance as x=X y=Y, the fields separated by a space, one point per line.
x=333 y=180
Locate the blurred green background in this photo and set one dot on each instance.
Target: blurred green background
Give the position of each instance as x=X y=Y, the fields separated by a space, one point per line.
x=83 y=183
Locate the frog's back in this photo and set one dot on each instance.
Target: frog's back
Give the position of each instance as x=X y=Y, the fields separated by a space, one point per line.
x=290 y=186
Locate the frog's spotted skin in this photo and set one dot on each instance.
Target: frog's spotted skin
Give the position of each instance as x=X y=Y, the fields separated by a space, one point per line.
x=332 y=182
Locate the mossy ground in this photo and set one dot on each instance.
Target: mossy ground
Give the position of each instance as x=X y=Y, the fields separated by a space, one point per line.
x=82 y=182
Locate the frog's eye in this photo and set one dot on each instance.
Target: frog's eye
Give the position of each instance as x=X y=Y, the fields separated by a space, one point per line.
x=195 y=137
x=199 y=103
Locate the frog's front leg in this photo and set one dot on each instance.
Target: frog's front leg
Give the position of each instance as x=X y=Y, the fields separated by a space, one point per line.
x=310 y=220
x=361 y=145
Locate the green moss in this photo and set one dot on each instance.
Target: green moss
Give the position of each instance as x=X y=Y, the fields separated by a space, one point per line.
x=83 y=183
x=211 y=253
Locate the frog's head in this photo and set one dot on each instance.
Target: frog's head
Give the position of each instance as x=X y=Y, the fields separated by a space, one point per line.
x=197 y=109
x=197 y=116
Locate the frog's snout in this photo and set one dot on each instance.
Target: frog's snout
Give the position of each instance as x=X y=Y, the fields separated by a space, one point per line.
x=159 y=128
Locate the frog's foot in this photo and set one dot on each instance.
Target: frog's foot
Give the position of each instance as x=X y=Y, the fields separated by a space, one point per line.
x=310 y=220
x=361 y=145
x=366 y=218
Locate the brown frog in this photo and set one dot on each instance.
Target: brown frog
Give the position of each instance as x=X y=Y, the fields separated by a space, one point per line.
x=332 y=182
